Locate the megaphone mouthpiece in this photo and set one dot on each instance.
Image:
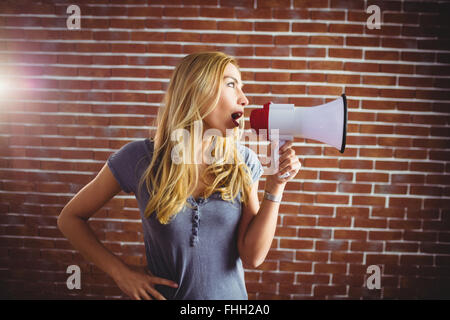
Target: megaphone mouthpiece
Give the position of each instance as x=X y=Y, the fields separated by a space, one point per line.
x=259 y=118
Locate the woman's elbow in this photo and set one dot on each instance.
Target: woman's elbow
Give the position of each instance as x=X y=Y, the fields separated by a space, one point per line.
x=60 y=222
x=63 y=219
x=252 y=263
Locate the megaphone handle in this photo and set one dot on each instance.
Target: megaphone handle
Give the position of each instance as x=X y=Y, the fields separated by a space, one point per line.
x=276 y=156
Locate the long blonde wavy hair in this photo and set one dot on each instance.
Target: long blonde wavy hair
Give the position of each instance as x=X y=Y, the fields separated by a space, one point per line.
x=193 y=92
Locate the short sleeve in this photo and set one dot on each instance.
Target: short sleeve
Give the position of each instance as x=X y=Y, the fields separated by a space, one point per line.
x=253 y=163
x=123 y=164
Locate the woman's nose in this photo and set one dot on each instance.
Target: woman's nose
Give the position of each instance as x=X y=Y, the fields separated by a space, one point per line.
x=243 y=101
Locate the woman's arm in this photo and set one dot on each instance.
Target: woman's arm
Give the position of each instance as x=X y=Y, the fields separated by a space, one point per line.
x=72 y=222
x=257 y=226
x=258 y=223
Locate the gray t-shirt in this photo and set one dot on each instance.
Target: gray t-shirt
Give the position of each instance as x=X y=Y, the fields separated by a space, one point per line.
x=198 y=248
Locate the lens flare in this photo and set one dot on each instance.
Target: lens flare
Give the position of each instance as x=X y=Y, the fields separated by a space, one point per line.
x=5 y=86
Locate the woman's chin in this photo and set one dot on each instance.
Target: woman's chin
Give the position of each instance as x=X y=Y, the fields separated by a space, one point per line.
x=226 y=128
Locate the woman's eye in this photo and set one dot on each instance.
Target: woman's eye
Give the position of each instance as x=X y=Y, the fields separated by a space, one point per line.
x=230 y=84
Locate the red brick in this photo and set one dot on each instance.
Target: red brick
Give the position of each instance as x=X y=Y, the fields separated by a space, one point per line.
x=334 y=222
x=332 y=245
x=232 y=25
x=311 y=256
x=309 y=27
x=296 y=266
x=329 y=268
x=352 y=212
x=261 y=287
x=237 y=3
x=314 y=233
x=385 y=235
x=308 y=77
x=362 y=91
x=278 y=277
x=327 y=15
x=361 y=164
x=396 y=68
x=370 y=223
x=346 y=28
x=320 y=291
x=259 y=39
x=389 y=189
x=326 y=40
x=315 y=210
x=406 y=225
x=420 y=236
x=350 y=234
x=274 y=76
x=399 y=43
x=305 y=278
x=402 y=247
x=362 y=41
x=412 y=130
x=273 y=3
x=381 y=259
x=377 y=80
x=217 y=12
x=408 y=178
x=272 y=51
x=366 y=200
x=346 y=257
x=295 y=289
x=250 y=13
x=311 y=3
x=343 y=78
x=292 y=14
x=355 y=188
x=362 y=67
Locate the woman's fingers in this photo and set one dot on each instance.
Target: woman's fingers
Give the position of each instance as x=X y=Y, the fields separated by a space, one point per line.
x=288 y=162
x=285 y=146
x=285 y=170
x=139 y=284
x=165 y=282
x=286 y=159
x=157 y=295
x=136 y=297
x=286 y=154
x=143 y=293
x=151 y=290
x=161 y=281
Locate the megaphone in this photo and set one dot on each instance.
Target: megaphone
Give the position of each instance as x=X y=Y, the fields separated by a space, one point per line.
x=326 y=123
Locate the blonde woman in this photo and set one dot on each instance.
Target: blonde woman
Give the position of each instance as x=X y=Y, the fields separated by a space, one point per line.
x=202 y=220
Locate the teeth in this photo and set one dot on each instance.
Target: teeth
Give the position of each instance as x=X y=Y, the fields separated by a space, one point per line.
x=236 y=115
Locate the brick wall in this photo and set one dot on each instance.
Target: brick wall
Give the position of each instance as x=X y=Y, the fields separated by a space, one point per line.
x=70 y=98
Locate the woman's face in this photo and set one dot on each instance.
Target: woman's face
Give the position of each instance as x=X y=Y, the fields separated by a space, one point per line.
x=231 y=102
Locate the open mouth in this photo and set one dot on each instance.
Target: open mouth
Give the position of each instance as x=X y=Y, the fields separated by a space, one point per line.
x=235 y=116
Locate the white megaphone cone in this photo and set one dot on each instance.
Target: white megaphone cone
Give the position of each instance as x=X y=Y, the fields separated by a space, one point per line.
x=325 y=123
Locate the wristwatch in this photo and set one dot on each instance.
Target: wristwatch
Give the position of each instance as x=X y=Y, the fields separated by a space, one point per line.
x=271 y=197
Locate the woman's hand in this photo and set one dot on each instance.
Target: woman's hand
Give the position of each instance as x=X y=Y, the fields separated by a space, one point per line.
x=288 y=163
x=139 y=284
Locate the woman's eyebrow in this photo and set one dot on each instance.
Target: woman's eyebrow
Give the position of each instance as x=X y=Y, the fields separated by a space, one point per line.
x=235 y=80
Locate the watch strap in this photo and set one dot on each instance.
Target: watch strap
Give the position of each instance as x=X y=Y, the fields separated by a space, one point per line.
x=272 y=197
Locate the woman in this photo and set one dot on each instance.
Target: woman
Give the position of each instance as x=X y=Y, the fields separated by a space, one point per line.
x=202 y=220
